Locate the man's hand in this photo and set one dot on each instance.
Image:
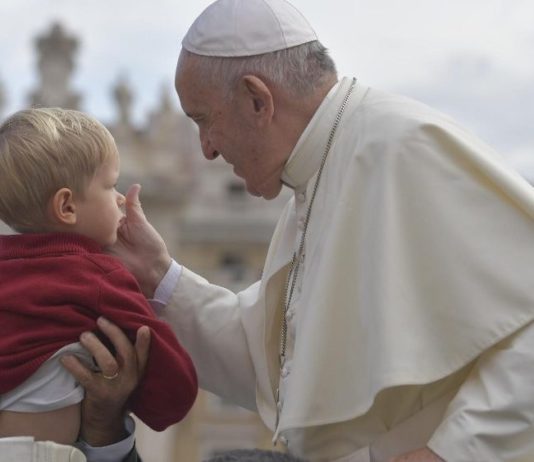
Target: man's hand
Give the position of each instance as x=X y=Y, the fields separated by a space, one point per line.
x=107 y=391
x=420 y=455
x=140 y=247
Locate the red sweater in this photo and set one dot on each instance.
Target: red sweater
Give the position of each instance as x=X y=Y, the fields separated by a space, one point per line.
x=53 y=287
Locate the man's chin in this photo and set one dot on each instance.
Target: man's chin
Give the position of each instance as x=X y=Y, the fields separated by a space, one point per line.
x=267 y=194
x=251 y=190
x=254 y=193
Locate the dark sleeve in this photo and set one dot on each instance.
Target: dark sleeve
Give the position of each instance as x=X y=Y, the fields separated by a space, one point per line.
x=133 y=456
x=169 y=387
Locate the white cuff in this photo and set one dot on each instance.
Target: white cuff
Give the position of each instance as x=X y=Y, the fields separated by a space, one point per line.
x=114 y=452
x=166 y=287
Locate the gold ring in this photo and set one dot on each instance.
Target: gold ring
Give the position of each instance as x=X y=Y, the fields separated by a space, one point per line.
x=110 y=377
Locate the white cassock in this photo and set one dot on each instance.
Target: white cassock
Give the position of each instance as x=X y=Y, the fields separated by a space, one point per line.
x=411 y=322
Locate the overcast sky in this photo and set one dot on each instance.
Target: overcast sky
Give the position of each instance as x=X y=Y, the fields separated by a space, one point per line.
x=473 y=59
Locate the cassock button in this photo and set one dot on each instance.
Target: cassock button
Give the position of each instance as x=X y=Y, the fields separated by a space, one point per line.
x=301 y=197
x=301 y=223
x=284 y=372
x=290 y=313
x=284 y=440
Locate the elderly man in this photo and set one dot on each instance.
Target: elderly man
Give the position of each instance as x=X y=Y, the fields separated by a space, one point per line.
x=393 y=320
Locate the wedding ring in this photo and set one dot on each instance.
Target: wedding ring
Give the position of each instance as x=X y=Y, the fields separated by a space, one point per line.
x=110 y=377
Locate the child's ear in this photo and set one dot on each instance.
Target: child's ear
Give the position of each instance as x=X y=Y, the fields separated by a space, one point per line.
x=62 y=207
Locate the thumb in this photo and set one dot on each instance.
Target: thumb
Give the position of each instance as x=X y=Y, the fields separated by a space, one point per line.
x=142 y=348
x=133 y=204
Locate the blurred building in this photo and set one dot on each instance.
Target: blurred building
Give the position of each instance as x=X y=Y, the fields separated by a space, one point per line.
x=208 y=220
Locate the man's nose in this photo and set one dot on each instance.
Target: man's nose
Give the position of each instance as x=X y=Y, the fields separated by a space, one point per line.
x=208 y=151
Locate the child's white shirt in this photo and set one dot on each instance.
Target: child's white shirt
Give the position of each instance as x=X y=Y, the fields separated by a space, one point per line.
x=50 y=387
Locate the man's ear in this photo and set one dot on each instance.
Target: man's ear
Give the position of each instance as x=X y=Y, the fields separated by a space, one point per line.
x=257 y=99
x=62 y=208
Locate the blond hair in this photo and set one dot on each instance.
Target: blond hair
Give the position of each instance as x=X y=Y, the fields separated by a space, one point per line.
x=41 y=151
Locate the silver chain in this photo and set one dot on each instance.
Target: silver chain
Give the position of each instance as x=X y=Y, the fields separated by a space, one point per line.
x=295 y=261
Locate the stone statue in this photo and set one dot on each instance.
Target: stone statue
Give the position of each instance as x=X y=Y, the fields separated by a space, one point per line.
x=123 y=98
x=56 y=64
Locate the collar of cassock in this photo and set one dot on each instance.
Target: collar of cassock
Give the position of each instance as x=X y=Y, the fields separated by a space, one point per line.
x=306 y=157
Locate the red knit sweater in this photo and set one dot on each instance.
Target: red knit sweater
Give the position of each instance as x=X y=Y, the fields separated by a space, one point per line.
x=53 y=287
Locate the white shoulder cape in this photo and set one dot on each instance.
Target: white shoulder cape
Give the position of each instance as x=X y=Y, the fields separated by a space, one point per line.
x=419 y=256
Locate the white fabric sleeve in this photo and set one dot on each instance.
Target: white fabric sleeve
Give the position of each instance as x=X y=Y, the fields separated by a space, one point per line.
x=166 y=287
x=26 y=449
x=492 y=416
x=114 y=452
x=207 y=320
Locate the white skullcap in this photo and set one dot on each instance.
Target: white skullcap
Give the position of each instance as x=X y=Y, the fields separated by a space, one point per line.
x=247 y=27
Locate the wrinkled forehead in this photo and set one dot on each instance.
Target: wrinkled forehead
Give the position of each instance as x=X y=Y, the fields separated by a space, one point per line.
x=189 y=75
x=196 y=92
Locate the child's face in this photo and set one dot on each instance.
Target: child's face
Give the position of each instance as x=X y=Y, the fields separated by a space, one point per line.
x=99 y=213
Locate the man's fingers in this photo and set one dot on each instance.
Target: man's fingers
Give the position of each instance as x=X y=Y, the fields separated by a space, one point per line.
x=80 y=372
x=103 y=357
x=120 y=341
x=132 y=195
x=107 y=391
x=133 y=204
x=142 y=348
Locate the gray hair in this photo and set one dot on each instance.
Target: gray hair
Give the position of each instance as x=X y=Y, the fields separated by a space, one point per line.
x=299 y=70
x=253 y=455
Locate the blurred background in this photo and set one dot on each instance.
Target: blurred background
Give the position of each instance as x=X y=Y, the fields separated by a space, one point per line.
x=115 y=59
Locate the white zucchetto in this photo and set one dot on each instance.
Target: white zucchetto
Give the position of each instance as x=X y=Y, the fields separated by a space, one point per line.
x=230 y=28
